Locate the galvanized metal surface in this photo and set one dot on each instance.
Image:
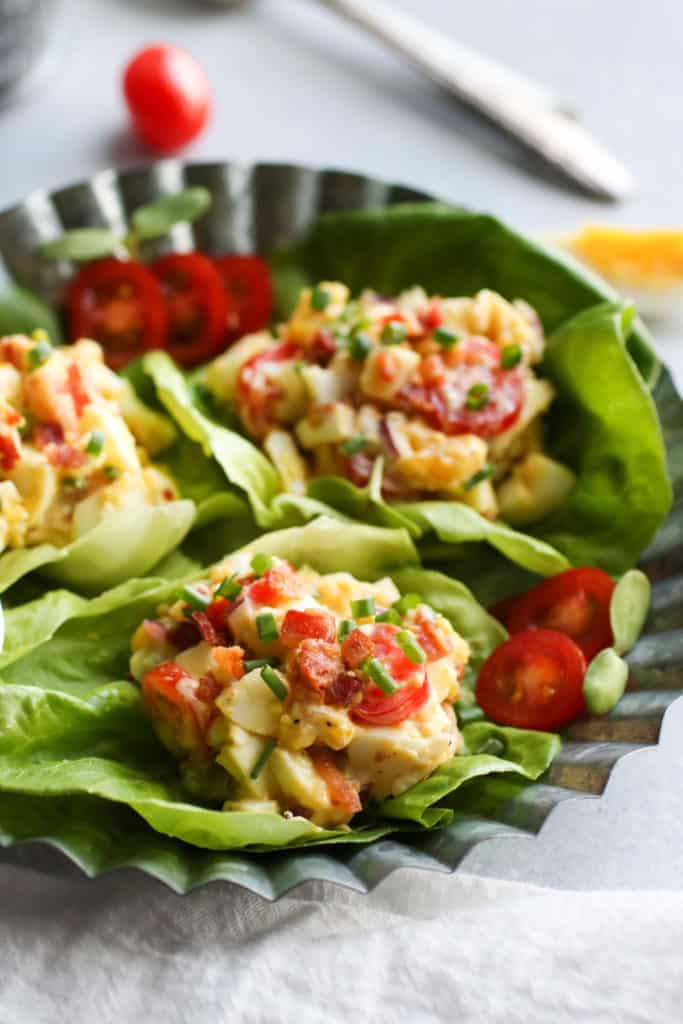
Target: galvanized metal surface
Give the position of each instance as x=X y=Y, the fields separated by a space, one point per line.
x=258 y=207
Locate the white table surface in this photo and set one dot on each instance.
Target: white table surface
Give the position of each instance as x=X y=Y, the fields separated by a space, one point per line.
x=294 y=84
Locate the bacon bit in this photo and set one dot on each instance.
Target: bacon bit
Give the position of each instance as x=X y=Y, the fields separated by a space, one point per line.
x=317 y=664
x=343 y=690
x=48 y=433
x=77 y=389
x=432 y=371
x=341 y=792
x=323 y=347
x=206 y=629
x=356 y=648
x=386 y=363
x=12 y=417
x=9 y=453
x=433 y=640
x=432 y=316
x=208 y=688
x=185 y=634
x=302 y=625
x=65 y=456
x=230 y=660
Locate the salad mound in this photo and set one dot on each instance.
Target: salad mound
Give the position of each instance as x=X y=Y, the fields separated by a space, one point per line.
x=75 y=443
x=287 y=691
x=442 y=390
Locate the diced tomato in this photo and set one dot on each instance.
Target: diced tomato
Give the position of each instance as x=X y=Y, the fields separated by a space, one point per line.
x=575 y=602
x=322 y=348
x=255 y=391
x=196 y=305
x=118 y=303
x=341 y=792
x=249 y=290
x=317 y=664
x=343 y=690
x=378 y=709
x=356 y=648
x=219 y=611
x=533 y=681
x=275 y=585
x=77 y=389
x=301 y=625
x=432 y=316
x=9 y=452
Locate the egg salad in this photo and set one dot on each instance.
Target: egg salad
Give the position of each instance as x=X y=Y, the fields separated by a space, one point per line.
x=74 y=443
x=436 y=395
x=282 y=690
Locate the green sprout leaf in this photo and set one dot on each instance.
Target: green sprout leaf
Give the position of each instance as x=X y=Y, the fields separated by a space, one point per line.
x=605 y=682
x=81 y=245
x=628 y=609
x=157 y=219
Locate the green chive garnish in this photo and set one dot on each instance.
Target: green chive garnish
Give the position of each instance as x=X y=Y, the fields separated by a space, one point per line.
x=197 y=601
x=359 y=346
x=39 y=354
x=380 y=676
x=447 y=338
x=266 y=627
x=320 y=299
x=346 y=626
x=363 y=608
x=394 y=333
x=390 y=615
x=95 y=443
x=263 y=759
x=477 y=396
x=483 y=474
x=405 y=603
x=261 y=564
x=273 y=681
x=511 y=356
x=27 y=426
x=229 y=588
x=111 y=472
x=74 y=483
x=249 y=666
x=353 y=445
x=410 y=647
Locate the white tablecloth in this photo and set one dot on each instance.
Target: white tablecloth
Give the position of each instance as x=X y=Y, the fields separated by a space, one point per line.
x=419 y=949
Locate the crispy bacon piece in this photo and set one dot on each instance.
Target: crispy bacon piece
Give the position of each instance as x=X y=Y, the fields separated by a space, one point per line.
x=185 y=634
x=312 y=625
x=341 y=792
x=432 y=639
x=317 y=664
x=207 y=630
x=208 y=689
x=343 y=690
x=50 y=438
x=322 y=348
x=230 y=661
x=9 y=453
x=356 y=648
x=432 y=316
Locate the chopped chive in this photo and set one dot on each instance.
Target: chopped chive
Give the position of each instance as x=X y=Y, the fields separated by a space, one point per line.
x=273 y=681
x=477 y=396
x=483 y=474
x=261 y=564
x=197 y=601
x=447 y=338
x=204 y=394
x=39 y=354
x=359 y=346
x=410 y=647
x=249 y=666
x=299 y=366
x=394 y=333
x=405 y=603
x=353 y=445
x=390 y=615
x=493 y=746
x=511 y=356
x=27 y=426
x=74 y=482
x=467 y=715
x=266 y=627
x=39 y=335
x=111 y=472
x=229 y=588
x=363 y=608
x=346 y=626
x=320 y=299
x=263 y=759
x=380 y=676
x=95 y=443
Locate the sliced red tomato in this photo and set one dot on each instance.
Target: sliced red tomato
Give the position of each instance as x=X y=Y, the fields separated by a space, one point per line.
x=575 y=602
x=386 y=650
x=173 y=715
x=249 y=289
x=378 y=709
x=313 y=624
x=118 y=303
x=533 y=681
x=196 y=305
x=341 y=792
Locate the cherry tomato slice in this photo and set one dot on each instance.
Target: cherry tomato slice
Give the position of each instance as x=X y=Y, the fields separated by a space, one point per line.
x=249 y=288
x=196 y=305
x=118 y=303
x=378 y=708
x=168 y=96
x=533 y=681
x=575 y=602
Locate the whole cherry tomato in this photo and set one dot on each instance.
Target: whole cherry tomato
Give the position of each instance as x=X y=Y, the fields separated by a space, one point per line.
x=168 y=96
